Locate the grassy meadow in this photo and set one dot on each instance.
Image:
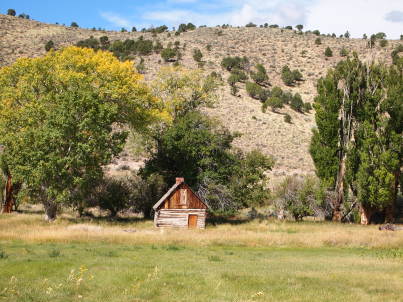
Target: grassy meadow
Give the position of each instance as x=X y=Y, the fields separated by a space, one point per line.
x=100 y=260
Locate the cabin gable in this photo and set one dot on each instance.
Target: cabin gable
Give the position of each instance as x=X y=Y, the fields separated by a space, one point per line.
x=183 y=198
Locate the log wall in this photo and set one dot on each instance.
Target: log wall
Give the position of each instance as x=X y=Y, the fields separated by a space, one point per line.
x=179 y=217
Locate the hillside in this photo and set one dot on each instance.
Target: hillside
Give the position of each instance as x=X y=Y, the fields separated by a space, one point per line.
x=274 y=48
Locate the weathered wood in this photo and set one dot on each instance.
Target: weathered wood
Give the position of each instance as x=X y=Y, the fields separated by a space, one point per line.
x=177 y=205
x=179 y=217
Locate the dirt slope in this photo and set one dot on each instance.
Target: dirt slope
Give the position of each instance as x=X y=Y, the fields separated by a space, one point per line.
x=287 y=143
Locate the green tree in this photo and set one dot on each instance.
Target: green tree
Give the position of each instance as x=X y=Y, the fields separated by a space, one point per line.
x=11 y=12
x=169 y=54
x=358 y=146
x=250 y=24
x=343 y=52
x=299 y=27
x=73 y=24
x=253 y=90
x=274 y=103
x=328 y=52
x=260 y=76
x=197 y=55
x=49 y=45
x=287 y=76
x=60 y=117
x=383 y=43
x=296 y=103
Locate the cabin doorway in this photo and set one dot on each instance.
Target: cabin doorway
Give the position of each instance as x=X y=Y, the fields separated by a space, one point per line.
x=192 y=221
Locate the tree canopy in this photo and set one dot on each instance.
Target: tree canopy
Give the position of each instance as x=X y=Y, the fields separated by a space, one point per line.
x=62 y=118
x=357 y=146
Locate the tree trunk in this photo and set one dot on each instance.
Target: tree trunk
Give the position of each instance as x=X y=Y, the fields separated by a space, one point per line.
x=8 y=196
x=50 y=210
x=390 y=211
x=339 y=190
x=366 y=213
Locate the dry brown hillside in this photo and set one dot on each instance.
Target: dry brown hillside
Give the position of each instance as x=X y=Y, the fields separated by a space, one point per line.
x=287 y=143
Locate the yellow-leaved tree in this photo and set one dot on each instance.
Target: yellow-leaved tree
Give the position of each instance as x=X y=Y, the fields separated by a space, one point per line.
x=62 y=117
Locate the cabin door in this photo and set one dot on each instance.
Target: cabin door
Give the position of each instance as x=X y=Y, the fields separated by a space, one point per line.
x=192 y=221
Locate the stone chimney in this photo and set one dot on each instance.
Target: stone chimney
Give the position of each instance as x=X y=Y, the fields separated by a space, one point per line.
x=180 y=180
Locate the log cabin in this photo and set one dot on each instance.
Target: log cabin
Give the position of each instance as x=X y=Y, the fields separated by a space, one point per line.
x=180 y=207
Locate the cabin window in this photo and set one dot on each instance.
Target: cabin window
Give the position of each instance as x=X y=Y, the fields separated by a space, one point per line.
x=183 y=200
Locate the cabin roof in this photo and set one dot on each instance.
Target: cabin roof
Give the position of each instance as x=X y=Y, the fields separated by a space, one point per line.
x=173 y=189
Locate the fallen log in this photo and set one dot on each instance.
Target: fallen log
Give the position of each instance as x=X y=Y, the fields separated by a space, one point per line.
x=390 y=227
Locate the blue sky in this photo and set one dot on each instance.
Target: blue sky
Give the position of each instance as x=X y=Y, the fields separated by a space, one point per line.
x=357 y=16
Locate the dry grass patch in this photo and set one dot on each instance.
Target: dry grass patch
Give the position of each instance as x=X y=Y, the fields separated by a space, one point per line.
x=32 y=228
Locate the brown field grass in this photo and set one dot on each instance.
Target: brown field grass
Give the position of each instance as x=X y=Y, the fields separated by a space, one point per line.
x=32 y=228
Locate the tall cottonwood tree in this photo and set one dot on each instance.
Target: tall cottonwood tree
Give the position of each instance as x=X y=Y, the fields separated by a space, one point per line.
x=61 y=120
x=357 y=144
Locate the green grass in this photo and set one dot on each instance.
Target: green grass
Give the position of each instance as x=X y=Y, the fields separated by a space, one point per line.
x=122 y=272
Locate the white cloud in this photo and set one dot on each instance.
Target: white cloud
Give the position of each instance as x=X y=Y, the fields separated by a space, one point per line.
x=171 y=17
x=394 y=16
x=116 y=20
x=241 y=13
x=358 y=17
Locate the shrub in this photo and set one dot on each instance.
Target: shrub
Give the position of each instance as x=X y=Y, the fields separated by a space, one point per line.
x=307 y=107
x=250 y=24
x=297 y=103
x=288 y=27
x=134 y=29
x=91 y=42
x=158 y=47
x=299 y=27
x=297 y=75
x=11 y=12
x=73 y=24
x=328 y=52
x=277 y=91
x=318 y=41
x=383 y=43
x=316 y=32
x=343 y=52
x=286 y=97
x=49 y=45
x=185 y=27
x=140 y=67
x=347 y=34
x=208 y=47
x=273 y=26
x=260 y=77
x=253 y=90
x=287 y=76
x=299 y=197
x=380 y=35
x=401 y=37
x=287 y=118
x=274 y=103
x=230 y=63
x=169 y=54
x=114 y=195
x=23 y=16
x=197 y=55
